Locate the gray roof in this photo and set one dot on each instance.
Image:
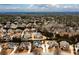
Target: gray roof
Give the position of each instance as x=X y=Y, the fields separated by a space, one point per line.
x=64 y=44
x=1 y=25
x=13 y=26
x=10 y=30
x=52 y=43
x=18 y=30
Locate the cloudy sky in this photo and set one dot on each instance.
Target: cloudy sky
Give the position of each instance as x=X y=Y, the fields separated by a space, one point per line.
x=39 y=7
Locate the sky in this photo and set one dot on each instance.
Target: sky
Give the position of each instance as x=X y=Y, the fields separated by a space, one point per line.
x=39 y=7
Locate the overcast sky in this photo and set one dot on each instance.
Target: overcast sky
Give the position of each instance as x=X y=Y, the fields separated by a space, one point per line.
x=39 y=7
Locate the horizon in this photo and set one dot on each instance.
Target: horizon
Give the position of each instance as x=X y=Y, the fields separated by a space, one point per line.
x=39 y=7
